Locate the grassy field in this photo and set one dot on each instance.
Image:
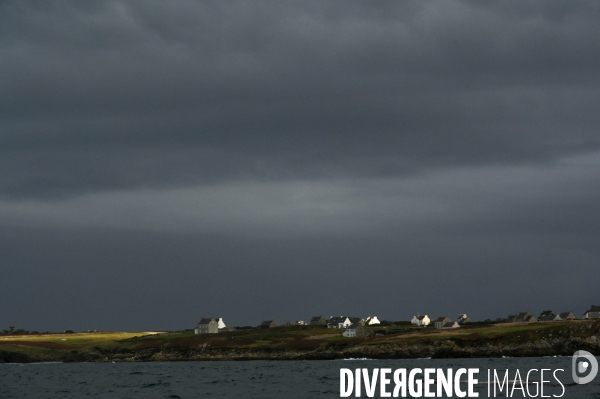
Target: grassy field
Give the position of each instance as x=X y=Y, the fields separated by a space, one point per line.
x=48 y=346
x=304 y=338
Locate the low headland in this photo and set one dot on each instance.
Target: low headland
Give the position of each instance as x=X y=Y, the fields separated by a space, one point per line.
x=308 y=343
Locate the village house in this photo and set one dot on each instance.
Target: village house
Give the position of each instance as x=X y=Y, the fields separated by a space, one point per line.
x=339 y=322
x=463 y=319
x=318 y=321
x=440 y=321
x=268 y=324
x=221 y=323
x=372 y=320
x=357 y=330
x=300 y=323
x=566 y=316
x=421 y=321
x=208 y=325
x=548 y=315
x=523 y=317
x=450 y=324
x=592 y=313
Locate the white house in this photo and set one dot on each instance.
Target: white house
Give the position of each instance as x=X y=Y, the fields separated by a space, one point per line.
x=350 y=331
x=372 y=320
x=339 y=322
x=421 y=320
x=592 y=313
x=221 y=323
x=357 y=330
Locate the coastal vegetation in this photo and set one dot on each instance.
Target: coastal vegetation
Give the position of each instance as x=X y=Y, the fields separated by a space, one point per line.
x=307 y=342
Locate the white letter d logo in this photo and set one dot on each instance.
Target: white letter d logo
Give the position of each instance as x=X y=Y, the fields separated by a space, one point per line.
x=587 y=362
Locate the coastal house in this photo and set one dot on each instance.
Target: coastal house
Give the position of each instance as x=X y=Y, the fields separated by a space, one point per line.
x=221 y=323
x=268 y=324
x=463 y=319
x=339 y=322
x=548 y=315
x=440 y=321
x=318 y=321
x=300 y=323
x=523 y=317
x=357 y=330
x=450 y=324
x=372 y=320
x=421 y=321
x=592 y=313
x=208 y=325
x=358 y=320
x=566 y=316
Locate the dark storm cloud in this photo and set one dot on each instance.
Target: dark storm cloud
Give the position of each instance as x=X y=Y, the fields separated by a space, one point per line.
x=278 y=91
x=166 y=161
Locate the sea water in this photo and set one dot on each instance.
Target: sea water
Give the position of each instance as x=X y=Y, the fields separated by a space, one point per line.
x=253 y=379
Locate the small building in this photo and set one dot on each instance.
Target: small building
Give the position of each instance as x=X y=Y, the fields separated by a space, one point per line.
x=450 y=324
x=566 y=316
x=421 y=321
x=440 y=321
x=208 y=325
x=523 y=317
x=357 y=330
x=339 y=322
x=318 y=321
x=463 y=319
x=592 y=313
x=300 y=323
x=547 y=315
x=372 y=320
x=221 y=323
x=268 y=324
x=358 y=320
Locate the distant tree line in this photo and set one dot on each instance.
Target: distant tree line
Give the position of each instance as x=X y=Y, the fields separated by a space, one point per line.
x=17 y=331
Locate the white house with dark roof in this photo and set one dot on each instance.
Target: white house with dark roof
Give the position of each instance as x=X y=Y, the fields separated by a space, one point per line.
x=421 y=320
x=339 y=322
x=372 y=320
x=357 y=330
x=592 y=313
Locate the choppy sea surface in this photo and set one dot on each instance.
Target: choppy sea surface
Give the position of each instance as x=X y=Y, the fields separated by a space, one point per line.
x=256 y=379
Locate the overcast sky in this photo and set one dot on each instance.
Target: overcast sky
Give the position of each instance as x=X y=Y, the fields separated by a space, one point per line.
x=161 y=162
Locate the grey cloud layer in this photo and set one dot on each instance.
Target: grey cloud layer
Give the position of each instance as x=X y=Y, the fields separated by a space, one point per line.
x=272 y=150
x=557 y=199
x=235 y=91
